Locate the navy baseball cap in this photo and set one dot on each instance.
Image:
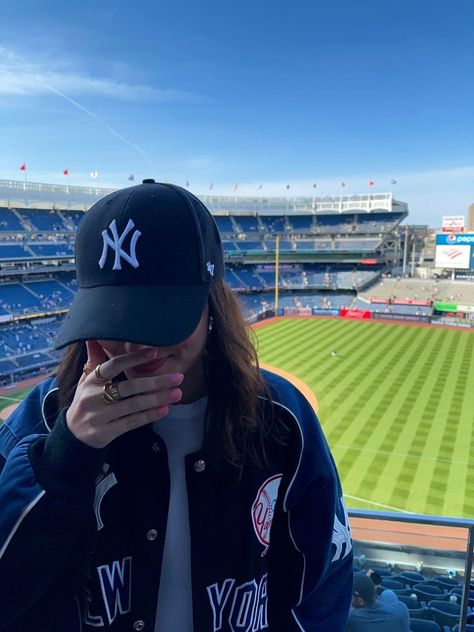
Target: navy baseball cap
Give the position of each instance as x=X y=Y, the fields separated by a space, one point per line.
x=146 y=257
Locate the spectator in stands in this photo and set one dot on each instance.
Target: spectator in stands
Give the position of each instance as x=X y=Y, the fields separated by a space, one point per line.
x=372 y=614
x=163 y=433
x=382 y=593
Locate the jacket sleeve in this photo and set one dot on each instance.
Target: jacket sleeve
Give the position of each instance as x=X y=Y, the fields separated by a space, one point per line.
x=320 y=528
x=311 y=535
x=46 y=499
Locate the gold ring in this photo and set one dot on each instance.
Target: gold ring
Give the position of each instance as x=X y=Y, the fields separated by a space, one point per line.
x=111 y=394
x=99 y=375
x=86 y=369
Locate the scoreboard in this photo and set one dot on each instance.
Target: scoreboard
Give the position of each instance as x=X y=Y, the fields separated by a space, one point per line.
x=455 y=251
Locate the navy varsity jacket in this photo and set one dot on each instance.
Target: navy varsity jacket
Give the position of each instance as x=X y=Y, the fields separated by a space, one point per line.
x=82 y=530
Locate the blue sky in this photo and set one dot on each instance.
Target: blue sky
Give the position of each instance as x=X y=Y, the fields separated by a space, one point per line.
x=249 y=93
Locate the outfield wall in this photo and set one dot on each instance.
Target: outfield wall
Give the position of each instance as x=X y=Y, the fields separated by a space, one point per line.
x=360 y=314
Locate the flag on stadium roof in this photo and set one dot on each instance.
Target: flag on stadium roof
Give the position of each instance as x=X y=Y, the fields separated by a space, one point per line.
x=94 y=174
x=65 y=172
x=314 y=185
x=211 y=186
x=260 y=187
x=236 y=186
x=393 y=182
x=343 y=184
x=23 y=167
x=287 y=186
x=187 y=183
x=131 y=177
x=371 y=183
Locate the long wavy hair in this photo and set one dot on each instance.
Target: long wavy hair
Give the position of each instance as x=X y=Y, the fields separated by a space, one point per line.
x=239 y=420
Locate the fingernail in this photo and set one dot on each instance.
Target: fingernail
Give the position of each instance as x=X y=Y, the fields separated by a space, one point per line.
x=150 y=353
x=162 y=410
x=176 y=379
x=175 y=394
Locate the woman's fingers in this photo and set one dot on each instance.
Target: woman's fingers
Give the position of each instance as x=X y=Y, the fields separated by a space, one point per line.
x=139 y=385
x=95 y=354
x=139 y=403
x=110 y=368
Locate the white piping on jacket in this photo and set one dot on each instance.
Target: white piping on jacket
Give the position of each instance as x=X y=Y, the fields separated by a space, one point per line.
x=26 y=511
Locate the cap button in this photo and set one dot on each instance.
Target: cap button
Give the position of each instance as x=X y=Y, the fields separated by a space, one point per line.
x=148 y=181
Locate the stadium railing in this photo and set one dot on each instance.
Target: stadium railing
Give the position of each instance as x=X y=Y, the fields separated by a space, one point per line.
x=434 y=546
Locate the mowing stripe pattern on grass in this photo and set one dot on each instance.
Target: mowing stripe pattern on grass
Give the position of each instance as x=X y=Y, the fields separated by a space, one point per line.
x=396 y=403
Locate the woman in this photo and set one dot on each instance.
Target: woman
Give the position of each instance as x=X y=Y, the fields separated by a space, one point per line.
x=159 y=480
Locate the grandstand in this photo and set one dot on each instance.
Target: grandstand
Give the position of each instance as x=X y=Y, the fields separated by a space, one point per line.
x=335 y=253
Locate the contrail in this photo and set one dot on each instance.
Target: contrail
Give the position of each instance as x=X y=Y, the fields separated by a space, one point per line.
x=13 y=57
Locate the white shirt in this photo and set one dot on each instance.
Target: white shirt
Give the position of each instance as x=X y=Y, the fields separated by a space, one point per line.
x=182 y=431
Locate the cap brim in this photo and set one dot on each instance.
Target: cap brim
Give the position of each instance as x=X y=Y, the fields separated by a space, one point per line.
x=158 y=316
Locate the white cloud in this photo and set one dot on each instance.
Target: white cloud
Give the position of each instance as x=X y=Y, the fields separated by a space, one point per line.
x=19 y=77
x=18 y=82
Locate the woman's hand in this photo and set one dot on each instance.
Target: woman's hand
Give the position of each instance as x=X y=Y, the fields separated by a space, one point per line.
x=142 y=400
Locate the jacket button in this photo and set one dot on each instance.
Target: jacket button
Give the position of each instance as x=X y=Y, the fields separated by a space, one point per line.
x=151 y=535
x=200 y=465
x=156 y=447
x=139 y=625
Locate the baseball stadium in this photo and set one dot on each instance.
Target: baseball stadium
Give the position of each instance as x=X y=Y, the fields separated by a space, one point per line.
x=371 y=317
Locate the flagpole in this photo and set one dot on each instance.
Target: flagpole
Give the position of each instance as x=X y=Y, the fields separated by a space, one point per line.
x=277 y=259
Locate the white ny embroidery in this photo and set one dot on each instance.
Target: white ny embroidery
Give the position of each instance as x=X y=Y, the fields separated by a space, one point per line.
x=210 y=268
x=116 y=245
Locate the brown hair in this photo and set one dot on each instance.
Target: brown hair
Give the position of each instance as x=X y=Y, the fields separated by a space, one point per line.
x=237 y=417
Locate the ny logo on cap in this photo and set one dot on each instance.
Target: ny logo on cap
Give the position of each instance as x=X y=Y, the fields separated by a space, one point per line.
x=116 y=244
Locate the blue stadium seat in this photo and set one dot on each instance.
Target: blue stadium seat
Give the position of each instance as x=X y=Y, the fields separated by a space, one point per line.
x=445 y=582
x=411 y=578
x=410 y=602
x=445 y=612
x=426 y=592
x=469 y=628
x=458 y=590
x=393 y=584
x=423 y=625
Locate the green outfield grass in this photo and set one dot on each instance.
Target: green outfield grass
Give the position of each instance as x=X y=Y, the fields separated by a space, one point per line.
x=397 y=406
x=7 y=398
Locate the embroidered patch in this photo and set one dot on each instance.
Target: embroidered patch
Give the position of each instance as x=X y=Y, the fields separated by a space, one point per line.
x=263 y=508
x=116 y=244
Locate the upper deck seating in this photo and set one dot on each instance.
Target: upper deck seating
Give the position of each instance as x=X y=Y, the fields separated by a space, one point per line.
x=273 y=223
x=51 y=293
x=377 y=222
x=247 y=223
x=59 y=249
x=9 y=222
x=14 y=251
x=74 y=217
x=224 y=224
x=15 y=298
x=301 y=223
x=249 y=278
x=234 y=282
x=342 y=223
x=43 y=220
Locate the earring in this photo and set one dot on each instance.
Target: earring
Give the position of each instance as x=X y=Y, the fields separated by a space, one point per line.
x=210 y=325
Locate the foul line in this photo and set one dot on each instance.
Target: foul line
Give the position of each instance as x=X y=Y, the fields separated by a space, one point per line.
x=371 y=502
